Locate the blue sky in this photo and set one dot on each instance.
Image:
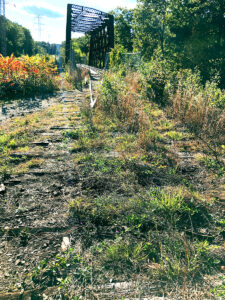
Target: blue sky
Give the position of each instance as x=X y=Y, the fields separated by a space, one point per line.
x=53 y=14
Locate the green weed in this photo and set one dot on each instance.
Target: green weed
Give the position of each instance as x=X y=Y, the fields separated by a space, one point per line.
x=176 y=136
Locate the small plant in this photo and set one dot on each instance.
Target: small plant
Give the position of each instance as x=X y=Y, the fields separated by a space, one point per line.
x=219 y=290
x=213 y=164
x=74 y=134
x=35 y=163
x=174 y=135
x=53 y=272
x=124 y=252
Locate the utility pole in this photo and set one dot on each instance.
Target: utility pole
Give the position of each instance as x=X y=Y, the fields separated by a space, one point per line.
x=2 y=29
x=2 y=8
x=39 y=17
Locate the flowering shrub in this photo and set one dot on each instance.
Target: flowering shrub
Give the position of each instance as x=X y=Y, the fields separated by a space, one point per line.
x=27 y=76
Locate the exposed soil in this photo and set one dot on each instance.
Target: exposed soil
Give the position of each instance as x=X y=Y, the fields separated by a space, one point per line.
x=34 y=205
x=22 y=107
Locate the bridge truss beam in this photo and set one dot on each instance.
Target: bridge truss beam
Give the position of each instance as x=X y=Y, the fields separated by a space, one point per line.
x=100 y=27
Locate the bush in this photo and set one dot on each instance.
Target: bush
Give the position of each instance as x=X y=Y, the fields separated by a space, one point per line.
x=119 y=98
x=116 y=57
x=27 y=76
x=154 y=77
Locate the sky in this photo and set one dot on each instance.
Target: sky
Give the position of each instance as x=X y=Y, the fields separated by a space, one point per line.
x=53 y=15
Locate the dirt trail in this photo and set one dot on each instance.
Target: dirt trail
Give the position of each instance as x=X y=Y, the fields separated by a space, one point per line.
x=34 y=218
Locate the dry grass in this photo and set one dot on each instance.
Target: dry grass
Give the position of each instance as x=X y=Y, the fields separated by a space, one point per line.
x=203 y=118
x=127 y=106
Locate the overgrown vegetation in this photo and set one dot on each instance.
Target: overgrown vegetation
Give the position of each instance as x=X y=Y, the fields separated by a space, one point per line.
x=17 y=40
x=27 y=76
x=144 y=214
x=147 y=163
x=190 y=35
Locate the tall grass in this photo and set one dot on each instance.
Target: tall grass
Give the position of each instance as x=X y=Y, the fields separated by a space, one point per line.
x=120 y=98
x=200 y=107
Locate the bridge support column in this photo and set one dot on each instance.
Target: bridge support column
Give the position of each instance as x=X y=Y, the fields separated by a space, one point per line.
x=68 y=32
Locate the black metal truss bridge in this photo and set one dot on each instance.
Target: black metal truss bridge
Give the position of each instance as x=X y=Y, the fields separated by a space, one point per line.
x=100 y=27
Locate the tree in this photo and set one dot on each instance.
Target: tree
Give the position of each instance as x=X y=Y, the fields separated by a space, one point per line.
x=191 y=32
x=28 y=43
x=123 y=28
x=151 y=25
x=198 y=28
x=15 y=39
x=81 y=48
x=2 y=35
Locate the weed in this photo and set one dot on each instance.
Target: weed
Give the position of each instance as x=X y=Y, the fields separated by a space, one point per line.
x=125 y=252
x=213 y=164
x=53 y=273
x=219 y=290
x=174 y=135
x=35 y=163
x=74 y=134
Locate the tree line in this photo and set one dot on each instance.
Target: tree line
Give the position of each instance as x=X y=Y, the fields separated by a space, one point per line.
x=191 y=33
x=16 y=39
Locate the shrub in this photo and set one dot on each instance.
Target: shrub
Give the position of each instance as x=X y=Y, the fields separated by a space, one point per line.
x=27 y=76
x=119 y=98
x=154 y=76
x=116 y=56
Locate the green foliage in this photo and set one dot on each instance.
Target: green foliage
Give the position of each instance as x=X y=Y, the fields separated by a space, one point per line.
x=73 y=134
x=123 y=28
x=81 y=45
x=187 y=81
x=154 y=77
x=45 y=48
x=191 y=34
x=219 y=290
x=151 y=26
x=80 y=49
x=110 y=89
x=126 y=252
x=16 y=39
x=51 y=273
x=180 y=258
x=116 y=56
x=200 y=107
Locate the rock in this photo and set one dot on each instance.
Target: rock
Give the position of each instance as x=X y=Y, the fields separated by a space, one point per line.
x=65 y=244
x=2 y=188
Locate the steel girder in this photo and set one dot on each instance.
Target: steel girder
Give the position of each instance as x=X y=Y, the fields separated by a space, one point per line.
x=98 y=24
